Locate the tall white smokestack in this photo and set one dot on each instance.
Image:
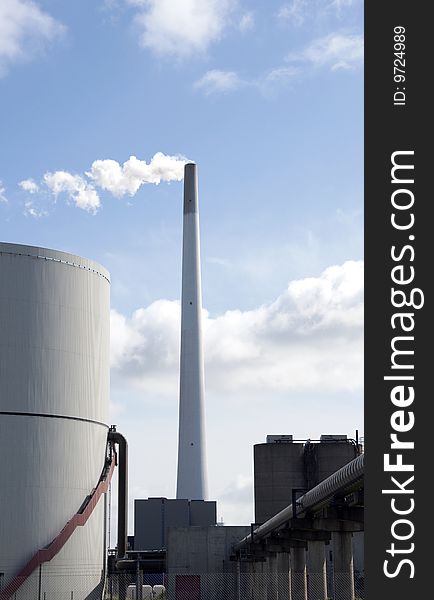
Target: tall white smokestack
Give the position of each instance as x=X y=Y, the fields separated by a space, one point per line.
x=192 y=478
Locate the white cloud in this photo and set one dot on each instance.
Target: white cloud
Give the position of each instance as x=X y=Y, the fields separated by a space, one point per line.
x=298 y=12
x=31 y=210
x=247 y=22
x=128 y=178
x=180 y=28
x=111 y=4
x=2 y=192
x=79 y=191
x=277 y=77
x=294 y=12
x=126 y=339
x=287 y=361
x=236 y=498
x=28 y=185
x=216 y=81
x=145 y=346
x=24 y=30
x=336 y=51
x=310 y=338
x=340 y=4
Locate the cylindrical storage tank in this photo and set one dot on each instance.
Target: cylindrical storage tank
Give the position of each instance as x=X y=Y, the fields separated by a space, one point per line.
x=54 y=389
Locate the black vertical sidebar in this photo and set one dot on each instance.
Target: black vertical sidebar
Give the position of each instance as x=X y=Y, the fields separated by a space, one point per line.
x=399 y=330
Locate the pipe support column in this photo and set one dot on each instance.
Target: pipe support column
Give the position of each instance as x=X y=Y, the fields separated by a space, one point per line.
x=317 y=571
x=298 y=574
x=343 y=566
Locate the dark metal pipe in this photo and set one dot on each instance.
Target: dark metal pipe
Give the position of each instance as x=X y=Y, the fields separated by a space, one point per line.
x=117 y=438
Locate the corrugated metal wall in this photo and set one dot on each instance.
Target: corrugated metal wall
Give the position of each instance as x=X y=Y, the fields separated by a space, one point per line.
x=54 y=389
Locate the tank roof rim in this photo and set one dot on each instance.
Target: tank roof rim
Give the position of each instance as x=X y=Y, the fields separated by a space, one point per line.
x=55 y=255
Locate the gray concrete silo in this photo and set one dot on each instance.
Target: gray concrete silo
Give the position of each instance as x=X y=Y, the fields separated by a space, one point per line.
x=283 y=465
x=278 y=469
x=54 y=389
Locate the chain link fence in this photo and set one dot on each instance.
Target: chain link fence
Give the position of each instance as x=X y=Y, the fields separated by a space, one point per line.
x=60 y=583
x=235 y=586
x=87 y=585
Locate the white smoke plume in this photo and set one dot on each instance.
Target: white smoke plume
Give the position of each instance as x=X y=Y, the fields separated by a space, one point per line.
x=129 y=177
x=108 y=175
x=79 y=191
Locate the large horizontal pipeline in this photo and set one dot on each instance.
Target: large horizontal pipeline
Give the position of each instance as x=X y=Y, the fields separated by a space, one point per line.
x=342 y=479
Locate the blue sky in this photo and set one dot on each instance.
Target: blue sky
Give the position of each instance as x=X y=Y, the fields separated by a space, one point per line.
x=267 y=98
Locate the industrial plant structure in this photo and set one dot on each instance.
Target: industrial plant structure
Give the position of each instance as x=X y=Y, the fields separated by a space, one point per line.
x=192 y=474
x=58 y=455
x=54 y=390
x=152 y=517
x=58 y=452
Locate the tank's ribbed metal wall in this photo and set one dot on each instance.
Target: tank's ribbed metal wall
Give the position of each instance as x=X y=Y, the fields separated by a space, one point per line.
x=54 y=389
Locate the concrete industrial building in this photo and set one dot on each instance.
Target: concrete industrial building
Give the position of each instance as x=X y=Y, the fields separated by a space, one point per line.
x=155 y=516
x=199 y=562
x=306 y=550
x=285 y=557
x=298 y=553
x=282 y=465
x=58 y=455
x=207 y=561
